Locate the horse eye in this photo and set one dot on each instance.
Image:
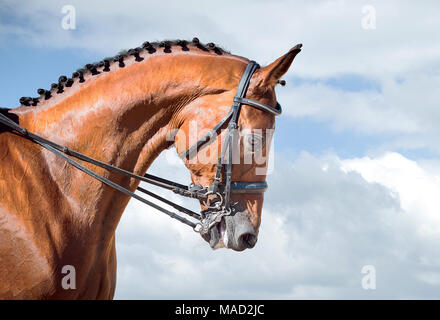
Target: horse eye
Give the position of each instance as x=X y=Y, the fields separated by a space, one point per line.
x=253 y=142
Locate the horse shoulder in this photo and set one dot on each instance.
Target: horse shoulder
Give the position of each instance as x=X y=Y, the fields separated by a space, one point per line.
x=25 y=272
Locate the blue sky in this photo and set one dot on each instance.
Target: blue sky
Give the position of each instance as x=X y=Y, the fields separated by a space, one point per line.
x=356 y=176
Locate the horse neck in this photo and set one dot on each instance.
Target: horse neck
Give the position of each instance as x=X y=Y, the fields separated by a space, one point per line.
x=121 y=118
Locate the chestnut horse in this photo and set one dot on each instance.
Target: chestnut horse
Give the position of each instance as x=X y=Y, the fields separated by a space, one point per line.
x=121 y=112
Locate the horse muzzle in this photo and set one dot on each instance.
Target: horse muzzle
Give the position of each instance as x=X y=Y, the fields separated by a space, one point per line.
x=234 y=231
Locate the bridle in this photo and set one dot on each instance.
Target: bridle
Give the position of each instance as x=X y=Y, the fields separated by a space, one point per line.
x=222 y=188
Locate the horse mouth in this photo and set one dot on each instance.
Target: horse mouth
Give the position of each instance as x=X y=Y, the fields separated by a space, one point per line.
x=223 y=234
x=222 y=240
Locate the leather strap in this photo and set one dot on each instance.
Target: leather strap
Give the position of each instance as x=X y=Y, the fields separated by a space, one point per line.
x=264 y=107
x=248 y=187
x=191 y=152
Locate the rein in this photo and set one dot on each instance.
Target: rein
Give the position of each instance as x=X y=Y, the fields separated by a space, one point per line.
x=223 y=190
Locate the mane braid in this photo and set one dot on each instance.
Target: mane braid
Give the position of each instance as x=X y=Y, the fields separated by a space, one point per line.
x=165 y=46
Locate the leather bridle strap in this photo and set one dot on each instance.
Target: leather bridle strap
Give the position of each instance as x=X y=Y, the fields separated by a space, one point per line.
x=120 y=188
x=232 y=128
x=248 y=187
x=263 y=107
x=193 y=150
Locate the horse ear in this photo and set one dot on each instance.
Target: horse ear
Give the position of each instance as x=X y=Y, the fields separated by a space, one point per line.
x=274 y=71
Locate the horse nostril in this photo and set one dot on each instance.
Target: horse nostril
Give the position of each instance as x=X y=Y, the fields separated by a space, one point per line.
x=248 y=240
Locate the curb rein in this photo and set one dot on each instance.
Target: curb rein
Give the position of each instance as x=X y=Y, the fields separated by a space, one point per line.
x=214 y=214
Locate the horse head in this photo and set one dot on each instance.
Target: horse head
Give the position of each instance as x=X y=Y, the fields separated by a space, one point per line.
x=232 y=213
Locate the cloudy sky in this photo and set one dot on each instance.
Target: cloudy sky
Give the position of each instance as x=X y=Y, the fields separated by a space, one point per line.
x=356 y=177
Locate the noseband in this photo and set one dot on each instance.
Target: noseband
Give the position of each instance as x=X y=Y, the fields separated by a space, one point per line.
x=220 y=187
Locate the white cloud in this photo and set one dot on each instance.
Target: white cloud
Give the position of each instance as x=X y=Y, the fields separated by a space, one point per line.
x=417 y=187
x=320 y=227
x=410 y=106
x=403 y=113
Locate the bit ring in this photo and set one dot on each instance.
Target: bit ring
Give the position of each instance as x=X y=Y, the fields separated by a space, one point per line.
x=217 y=204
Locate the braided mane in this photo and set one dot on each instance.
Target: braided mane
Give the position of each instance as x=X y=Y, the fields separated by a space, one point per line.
x=92 y=68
